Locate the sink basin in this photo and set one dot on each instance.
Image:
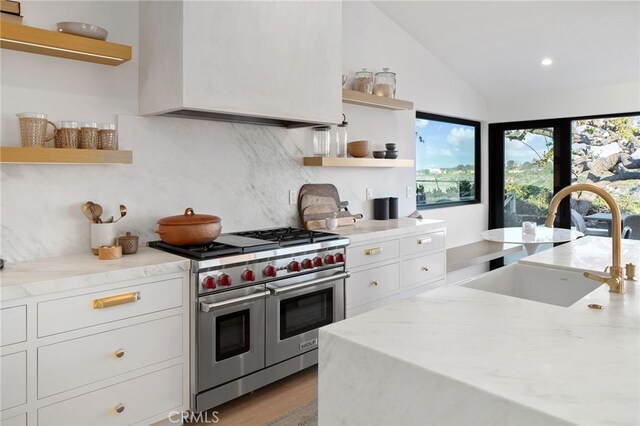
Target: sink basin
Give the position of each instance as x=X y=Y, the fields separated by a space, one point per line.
x=545 y=285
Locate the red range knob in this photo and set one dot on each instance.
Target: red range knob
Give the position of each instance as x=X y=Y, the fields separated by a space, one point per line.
x=293 y=266
x=317 y=261
x=339 y=257
x=224 y=280
x=307 y=264
x=269 y=271
x=209 y=283
x=248 y=275
x=329 y=259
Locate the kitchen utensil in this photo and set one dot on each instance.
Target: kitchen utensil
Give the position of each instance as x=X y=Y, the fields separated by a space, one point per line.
x=315 y=200
x=319 y=208
x=391 y=154
x=103 y=234
x=312 y=225
x=83 y=30
x=123 y=211
x=96 y=212
x=358 y=149
x=189 y=228
x=33 y=129
x=378 y=154
x=109 y=220
x=85 y=209
x=109 y=252
x=390 y=146
x=129 y=243
x=321 y=216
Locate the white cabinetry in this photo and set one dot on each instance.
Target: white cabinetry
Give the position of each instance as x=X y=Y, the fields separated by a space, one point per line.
x=261 y=62
x=387 y=269
x=114 y=353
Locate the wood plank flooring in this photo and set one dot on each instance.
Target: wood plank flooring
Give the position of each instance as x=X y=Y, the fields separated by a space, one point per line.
x=270 y=402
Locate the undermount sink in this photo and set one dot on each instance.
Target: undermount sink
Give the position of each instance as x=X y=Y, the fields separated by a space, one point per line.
x=545 y=285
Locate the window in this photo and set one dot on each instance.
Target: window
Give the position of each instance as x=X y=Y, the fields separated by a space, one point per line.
x=447 y=161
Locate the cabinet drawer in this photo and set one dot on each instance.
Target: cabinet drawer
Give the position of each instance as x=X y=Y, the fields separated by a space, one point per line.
x=422 y=243
x=372 y=252
x=423 y=268
x=372 y=284
x=13 y=375
x=74 y=363
x=76 y=312
x=13 y=325
x=140 y=398
x=20 y=420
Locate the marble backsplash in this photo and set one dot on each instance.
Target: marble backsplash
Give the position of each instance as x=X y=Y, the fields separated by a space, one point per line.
x=239 y=172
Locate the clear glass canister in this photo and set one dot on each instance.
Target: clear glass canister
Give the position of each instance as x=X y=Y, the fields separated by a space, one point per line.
x=341 y=138
x=363 y=81
x=321 y=141
x=385 y=84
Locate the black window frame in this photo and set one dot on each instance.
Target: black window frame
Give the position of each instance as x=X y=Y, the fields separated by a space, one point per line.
x=477 y=160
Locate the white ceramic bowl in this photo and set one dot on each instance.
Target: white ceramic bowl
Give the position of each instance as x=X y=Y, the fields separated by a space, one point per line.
x=82 y=29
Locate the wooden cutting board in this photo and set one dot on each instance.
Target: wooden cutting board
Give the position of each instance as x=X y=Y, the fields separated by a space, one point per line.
x=320 y=224
x=325 y=203
x=318 y=190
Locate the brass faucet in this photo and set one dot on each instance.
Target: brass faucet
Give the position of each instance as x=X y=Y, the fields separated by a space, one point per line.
x=615 y=281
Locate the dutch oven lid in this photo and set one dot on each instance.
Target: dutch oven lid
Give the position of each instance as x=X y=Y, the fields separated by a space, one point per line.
x=189 y=218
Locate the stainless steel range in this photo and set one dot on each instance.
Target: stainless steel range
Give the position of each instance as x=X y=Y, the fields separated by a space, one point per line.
x=258 y=299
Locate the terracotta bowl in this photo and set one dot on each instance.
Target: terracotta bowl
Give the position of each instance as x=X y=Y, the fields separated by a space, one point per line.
x=358 y=149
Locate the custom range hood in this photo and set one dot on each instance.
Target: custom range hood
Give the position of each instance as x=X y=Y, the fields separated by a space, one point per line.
x=267 y=63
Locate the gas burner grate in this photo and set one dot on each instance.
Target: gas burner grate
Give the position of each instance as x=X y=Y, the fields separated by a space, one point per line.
x=201 y=251
x=289 y=236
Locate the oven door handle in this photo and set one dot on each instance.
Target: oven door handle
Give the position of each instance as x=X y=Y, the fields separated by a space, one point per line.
x=208 y=307
x=281 y=290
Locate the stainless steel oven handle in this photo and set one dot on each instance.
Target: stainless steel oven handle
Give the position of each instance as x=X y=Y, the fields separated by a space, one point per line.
x=207 y=307
x=281 y=290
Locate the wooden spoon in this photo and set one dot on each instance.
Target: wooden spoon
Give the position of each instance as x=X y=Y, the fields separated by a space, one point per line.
x=96 y=212
x=86 y=210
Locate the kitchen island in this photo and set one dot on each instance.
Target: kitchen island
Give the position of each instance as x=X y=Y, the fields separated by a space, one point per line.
x=458 y=355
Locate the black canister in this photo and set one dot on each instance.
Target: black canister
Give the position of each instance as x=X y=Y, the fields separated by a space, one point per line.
x=381 y=208
x=393 y=207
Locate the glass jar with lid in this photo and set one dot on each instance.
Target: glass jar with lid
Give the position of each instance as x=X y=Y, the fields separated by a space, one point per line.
x=385 y=83
x=321 y=141
x=363 y=81
x=341 y=137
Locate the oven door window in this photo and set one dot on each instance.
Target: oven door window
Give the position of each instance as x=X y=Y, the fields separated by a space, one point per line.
x=305 y=313
x=233 y=334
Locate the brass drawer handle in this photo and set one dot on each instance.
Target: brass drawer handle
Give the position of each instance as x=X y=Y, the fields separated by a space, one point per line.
x=119 y=353
x=374 y=250
x=425 y=268
x=121 y=299
x=425 y=240
x=375 y=282
x=119 y=408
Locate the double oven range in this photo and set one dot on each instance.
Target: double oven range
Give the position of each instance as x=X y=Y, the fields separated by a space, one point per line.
x=257 y=301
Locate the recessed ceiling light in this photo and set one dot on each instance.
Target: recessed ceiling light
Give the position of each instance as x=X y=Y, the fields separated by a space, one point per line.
x=546 y=62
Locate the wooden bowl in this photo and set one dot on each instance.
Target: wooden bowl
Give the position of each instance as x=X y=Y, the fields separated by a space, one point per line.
x=358 y=149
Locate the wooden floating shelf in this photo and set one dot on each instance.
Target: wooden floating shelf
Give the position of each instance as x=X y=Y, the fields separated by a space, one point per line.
x=355 y=162
x=359 y=98
x=68 y=46
x=12 y=154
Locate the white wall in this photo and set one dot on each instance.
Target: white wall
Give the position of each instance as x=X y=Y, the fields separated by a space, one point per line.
x=240 y=172
x=619 y=98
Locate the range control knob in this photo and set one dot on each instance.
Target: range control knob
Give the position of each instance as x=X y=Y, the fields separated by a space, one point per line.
x=248 y=275
x=329 y=259
x=224 y=280
x=317 y=262
x=269 y=271
x=307 y=264
x=339 y=257
x=293 y=266
x=209 y=283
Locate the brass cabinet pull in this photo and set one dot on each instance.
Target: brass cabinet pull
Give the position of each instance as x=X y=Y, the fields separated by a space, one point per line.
x=121 y=299
x=375 y=282
x=119 y=353
x=425 y=240
x=425 y=268
x=373 y=250
x=119 y=408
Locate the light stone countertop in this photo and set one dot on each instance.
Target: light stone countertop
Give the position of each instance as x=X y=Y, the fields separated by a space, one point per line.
x=56 y=274
x=457 y=355
x=367 y=229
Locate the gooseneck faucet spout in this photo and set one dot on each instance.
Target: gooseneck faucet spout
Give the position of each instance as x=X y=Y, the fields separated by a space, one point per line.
x=615 y=280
